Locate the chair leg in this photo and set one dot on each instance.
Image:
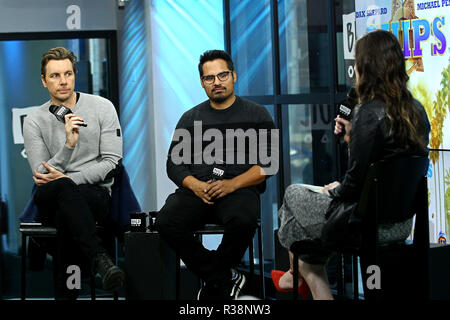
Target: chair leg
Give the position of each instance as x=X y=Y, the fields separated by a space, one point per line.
x=340 y=280
x=251 y=258
x=261 y=263
x=295 y=267
x=116 y=262
x=23 y=282
x=177 y=277
x=355 y=278
x=92 y=282
x=251 y=261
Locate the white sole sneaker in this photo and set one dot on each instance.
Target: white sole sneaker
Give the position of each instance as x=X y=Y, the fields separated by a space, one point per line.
x=238 y=285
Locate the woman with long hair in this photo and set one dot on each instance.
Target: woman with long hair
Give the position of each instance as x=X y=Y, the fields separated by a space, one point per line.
x=388 y=122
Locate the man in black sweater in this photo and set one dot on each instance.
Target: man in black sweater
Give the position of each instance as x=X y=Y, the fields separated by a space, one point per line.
x=219 y=180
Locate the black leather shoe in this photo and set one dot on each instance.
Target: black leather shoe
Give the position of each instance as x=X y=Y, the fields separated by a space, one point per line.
x=112 y=275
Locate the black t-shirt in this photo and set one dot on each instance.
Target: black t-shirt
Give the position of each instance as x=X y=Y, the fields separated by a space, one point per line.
x=232 y=140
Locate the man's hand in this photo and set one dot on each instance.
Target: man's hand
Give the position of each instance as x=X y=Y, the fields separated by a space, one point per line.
x=329 y=187
x=199 y=188
x=221 y=188
x=53 y=174
x=72 y=129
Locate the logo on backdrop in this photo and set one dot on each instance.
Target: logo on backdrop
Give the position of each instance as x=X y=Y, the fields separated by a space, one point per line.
x=349 y=21
x=18 y=116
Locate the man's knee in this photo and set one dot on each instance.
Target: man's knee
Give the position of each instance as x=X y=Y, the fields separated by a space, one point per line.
x=62 y=184
x=241 y=223
x=55 y=189
x=161 y=222
x=164 y=223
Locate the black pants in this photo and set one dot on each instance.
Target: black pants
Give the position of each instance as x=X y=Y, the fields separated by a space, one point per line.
x=184 y=213
x=73 y=210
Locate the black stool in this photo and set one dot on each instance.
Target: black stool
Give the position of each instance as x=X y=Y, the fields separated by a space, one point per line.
x=37 y=230
x=212 y=229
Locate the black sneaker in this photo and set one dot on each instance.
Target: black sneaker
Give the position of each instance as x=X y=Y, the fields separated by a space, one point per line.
x=226 y=291
x=208 y=292
x=112 y=275
x=232 y=289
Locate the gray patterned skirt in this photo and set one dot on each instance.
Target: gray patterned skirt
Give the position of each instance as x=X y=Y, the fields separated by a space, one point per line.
x=302 y=217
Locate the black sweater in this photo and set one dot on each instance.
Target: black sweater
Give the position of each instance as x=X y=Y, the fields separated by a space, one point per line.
x=204 y=154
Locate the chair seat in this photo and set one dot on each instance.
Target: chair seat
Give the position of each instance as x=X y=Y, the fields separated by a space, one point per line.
x=36 y=229
x=210 y=228
x=214 y=228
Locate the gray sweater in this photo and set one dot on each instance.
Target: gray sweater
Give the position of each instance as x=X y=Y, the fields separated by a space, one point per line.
x=99 y=146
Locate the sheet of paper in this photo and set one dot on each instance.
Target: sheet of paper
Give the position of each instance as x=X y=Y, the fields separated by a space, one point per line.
x=311 y=187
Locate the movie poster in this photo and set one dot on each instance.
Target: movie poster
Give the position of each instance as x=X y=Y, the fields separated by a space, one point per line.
x=423 y=29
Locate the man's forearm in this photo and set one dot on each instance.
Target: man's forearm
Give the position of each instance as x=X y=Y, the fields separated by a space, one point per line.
x=253 y=176
x=189 y=182
x=37 y=150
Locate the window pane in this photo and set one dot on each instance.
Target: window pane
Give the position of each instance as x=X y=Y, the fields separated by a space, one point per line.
x=304 y=47
x=345 y=72
x=251 y=46
x=269 y=208
x=311 y=143
x=269 y=214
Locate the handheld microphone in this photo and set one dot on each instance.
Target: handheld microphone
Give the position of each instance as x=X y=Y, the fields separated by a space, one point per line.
x=217 y=174
x=346 y=107
x=60 y=112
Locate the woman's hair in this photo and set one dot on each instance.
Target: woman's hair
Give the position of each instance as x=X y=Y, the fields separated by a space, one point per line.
x=382 y=75
x=58 y=53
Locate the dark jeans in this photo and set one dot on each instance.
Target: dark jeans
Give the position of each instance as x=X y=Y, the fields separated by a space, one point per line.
x=184 y=213
x=73 y=210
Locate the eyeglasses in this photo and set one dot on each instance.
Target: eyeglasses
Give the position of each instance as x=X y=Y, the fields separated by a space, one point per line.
x=223 y=76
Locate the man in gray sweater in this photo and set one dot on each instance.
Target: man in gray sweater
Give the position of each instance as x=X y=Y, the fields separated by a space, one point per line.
x=73 y=160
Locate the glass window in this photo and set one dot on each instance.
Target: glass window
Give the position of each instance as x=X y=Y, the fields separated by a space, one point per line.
x=269 y=214
x=345 y=72
x=304 y=46
x=251 y=46
x=269 y=207
x=311 y=143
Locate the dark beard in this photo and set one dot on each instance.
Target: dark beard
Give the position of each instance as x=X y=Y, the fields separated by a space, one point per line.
x=219 y=99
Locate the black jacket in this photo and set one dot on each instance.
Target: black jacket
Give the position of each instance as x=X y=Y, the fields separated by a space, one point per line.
x=370 y=142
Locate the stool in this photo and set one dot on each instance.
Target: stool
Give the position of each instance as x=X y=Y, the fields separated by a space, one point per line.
x=37 y=230
x=214 y=229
